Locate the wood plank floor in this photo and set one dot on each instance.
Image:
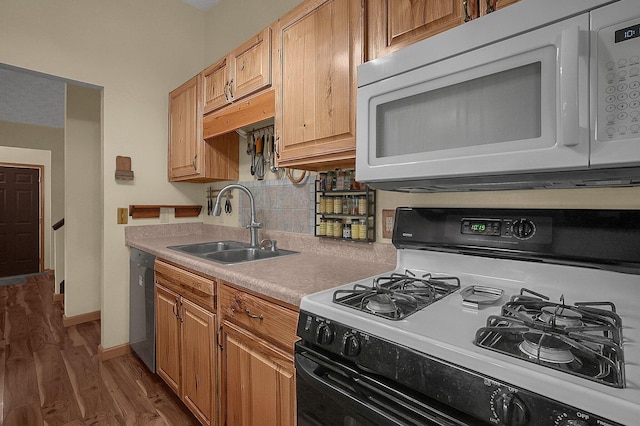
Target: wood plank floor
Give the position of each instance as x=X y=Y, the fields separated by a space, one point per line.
x=52 y=375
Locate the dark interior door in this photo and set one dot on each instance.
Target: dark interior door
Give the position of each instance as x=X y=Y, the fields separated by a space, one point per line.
x=19 y=221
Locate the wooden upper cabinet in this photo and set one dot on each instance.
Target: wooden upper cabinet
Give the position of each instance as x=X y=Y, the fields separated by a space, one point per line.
x=186 y=153
x=394 y=24
x=216 y=85
x=251 y=65
x=244 y=71
x=319 y=46
x=191 y=158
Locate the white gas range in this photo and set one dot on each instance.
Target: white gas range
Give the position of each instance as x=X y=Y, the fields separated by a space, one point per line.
x=496 y=361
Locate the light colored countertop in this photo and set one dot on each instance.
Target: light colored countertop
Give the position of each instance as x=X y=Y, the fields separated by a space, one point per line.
x=319 y=265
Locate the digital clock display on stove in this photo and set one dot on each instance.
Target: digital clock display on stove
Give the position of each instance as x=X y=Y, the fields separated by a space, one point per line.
x=480 y=226
x=627 y=33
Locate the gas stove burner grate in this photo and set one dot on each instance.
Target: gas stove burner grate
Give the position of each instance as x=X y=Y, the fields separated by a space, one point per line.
x=397 y=296
x=582 y=339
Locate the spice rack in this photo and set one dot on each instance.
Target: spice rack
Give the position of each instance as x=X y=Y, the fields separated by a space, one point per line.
x=357 y=210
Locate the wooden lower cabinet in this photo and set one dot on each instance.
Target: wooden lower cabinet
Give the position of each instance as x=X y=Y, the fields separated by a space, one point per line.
x=256 y=357
x=197 y=361
x=168 y=337
x=258 y=380
x=185 y=339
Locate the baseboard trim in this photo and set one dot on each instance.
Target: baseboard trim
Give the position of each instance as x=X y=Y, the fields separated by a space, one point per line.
x=114 y=351
x=79 y=319
x=58 y=297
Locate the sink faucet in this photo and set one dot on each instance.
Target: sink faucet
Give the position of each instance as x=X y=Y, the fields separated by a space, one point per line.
x=253 y=225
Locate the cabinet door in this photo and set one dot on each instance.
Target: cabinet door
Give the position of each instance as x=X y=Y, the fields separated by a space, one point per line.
x=185 y=131
x=259 y=380
x=251 y=65
x=198 y=362
x=168 y=337
x=393 y=24
x=320 y=46
x=216 y=80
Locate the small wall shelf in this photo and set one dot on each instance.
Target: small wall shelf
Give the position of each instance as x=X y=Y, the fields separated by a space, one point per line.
x=359 y=212
x=138 y=211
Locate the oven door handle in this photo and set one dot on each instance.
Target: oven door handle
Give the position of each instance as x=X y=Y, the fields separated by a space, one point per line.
x=367 y=396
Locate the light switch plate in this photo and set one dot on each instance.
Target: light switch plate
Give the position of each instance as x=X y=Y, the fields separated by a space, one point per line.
x=123 y=215
x=388 y=219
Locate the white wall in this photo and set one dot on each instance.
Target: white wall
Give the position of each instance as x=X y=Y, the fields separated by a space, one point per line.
x=36 y=157
x=137 y=51
x=83 y=201
x=232 y=22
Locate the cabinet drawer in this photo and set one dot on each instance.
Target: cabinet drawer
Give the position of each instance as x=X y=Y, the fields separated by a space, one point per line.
x=268 y=320
x=194 y=287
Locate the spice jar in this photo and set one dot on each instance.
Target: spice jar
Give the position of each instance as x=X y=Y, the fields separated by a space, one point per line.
x=362 y=229
x=322 y=207
x=330 y=180
x=337 y=205
x=355 y=230
x=330 y=224
x=328 y=205
x=346 y=205
x=354 y=205
x=322 y=229
x=337 y=228
x=348 y=179
x=323 y=181
x=362 y=205
x=346 y=230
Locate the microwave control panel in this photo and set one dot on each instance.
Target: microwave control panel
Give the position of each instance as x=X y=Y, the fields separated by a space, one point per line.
x=618 y=92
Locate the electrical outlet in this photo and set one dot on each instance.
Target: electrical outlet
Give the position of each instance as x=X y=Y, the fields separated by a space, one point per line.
x=388 y=224
x=388 y=219
x=123 y=215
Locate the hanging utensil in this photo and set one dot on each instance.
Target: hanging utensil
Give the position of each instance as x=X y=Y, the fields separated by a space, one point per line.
x=273 y=167
x=259 y=166
x=253 y=154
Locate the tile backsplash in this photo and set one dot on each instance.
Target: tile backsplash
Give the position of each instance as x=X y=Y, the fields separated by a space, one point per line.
x=280 y=205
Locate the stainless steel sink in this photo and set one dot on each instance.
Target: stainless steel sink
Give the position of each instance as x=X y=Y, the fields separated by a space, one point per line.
x=211 y=247
x=230 y=252
x=248 y=254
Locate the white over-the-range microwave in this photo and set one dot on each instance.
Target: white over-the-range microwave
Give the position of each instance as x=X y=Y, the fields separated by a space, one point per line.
x=540 y=94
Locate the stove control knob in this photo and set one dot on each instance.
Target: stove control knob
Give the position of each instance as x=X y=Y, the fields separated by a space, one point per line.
x=350 y=345
x=324 y=334
x=511 y=410
x=523 y=229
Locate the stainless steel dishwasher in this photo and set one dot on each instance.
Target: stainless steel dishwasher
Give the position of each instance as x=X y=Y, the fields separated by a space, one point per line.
x=142 y=313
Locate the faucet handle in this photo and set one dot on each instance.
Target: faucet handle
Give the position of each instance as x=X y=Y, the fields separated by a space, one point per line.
x=254 y=225
x=271 y=244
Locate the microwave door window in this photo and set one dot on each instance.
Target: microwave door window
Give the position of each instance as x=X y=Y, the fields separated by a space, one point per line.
x=503 y=107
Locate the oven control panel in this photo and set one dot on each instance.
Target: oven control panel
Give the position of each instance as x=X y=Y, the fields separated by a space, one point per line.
x=536 y=229
x=521 y=228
